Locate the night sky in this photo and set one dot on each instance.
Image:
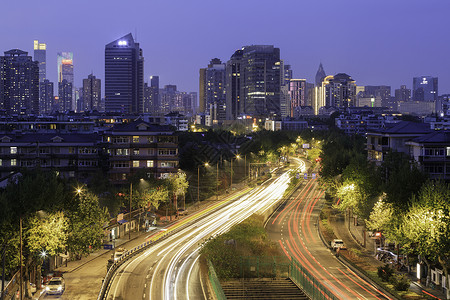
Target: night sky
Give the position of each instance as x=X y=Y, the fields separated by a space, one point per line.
x=383 y=42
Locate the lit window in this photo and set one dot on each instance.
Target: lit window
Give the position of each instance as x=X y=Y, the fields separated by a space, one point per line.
x=135 y=164
x=1 y=162
x=13 y=162
x=135 y=139
x=149 y=163
x=13 y=150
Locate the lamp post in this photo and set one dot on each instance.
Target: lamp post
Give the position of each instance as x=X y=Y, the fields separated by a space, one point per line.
x=217 y=181
x=198 y=182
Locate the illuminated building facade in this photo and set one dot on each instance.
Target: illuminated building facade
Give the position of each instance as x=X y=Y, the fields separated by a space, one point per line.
x=338 y=91
x=124 y=76
x=297 y=94
x=19 y=83
x=425 y=88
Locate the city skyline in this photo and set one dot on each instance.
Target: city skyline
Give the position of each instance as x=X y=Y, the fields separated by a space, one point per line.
x=385 y=43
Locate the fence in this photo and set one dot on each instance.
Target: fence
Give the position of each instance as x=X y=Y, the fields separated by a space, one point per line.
x=217 y=288
x=264 y=267
x=308 y=283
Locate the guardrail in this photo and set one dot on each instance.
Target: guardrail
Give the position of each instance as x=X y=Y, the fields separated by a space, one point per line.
x=130 y=253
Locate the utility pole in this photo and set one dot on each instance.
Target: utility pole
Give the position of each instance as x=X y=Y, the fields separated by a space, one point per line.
x=129 y=225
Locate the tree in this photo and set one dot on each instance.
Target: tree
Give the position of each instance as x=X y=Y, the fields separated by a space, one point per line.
x=177 y=185
x=426 y=225
x=86 y=221
x=381 y=216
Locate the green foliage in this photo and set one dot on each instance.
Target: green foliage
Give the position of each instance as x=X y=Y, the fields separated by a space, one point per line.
x=46 y=232
x=381 y=216
x=86 y=221
x=385 y=272
x=245 y=239
x=401 y=180
x=400 y=282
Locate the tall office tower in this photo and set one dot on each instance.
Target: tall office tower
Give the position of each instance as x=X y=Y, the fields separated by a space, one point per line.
x=212 y=89
x=425 y=88
x=19 y=83
x=46 y=97
x=403 y=94
x=78 y=99
x=147 y=98
x=40 y=50
x=287 y=74
x=309 y=94
x=154 y=89
x=40 y=57
x=124 y=76
x=65 y=72
x=260 y=81
x=92 y=93
x=383 y=92
x=65 y=96
x=339 y=91
x=320 y=75
x=297 y=94
x=193 y=99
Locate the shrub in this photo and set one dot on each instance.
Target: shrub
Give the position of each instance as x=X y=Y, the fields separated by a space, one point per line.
x=400 y=282
x=385 y=272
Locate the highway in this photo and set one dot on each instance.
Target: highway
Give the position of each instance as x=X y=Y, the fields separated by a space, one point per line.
x=294 y=227
x=170 y=269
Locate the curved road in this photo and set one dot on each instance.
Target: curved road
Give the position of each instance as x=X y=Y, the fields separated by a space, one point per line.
x=294 y=227
x=169 y=269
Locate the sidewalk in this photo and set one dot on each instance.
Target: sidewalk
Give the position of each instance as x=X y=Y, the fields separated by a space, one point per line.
x=353 y=237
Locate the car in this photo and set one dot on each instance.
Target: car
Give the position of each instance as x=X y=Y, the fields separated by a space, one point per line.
x=182 y=212
x=118 y=253
x=337 y=244
x=56 y=285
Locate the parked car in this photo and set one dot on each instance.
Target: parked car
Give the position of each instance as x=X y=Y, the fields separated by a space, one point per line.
x=182 y=212
x=56 y=285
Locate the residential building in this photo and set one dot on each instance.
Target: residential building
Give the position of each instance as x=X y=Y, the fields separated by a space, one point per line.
x=19 y=83
x=381 y=92
x=297 y=94
x=40 y=50
x=73 y=155
x=233 y=86
x=425 y=88
x=141 y=147
x=91 y=93
x=124 y=76
x=338 y=91
x=46 y=97
x=393 y=137
x=212 y=89
x=154 y=94
x=65 y=94
x=403 y=94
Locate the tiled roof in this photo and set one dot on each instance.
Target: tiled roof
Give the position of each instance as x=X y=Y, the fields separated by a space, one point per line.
x=406 y=127
x=437 y=137
x=48 y=138
x=133 y=126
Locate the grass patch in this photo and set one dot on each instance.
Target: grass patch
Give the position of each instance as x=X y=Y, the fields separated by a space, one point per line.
x=248 y=238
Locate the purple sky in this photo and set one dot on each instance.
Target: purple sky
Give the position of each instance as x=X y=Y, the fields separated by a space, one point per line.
x=384 y=42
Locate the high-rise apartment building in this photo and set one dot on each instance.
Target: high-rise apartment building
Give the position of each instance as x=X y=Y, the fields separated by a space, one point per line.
x=338 y=91
x=425 y=88
x=254 y=82
x=402 y=94
x=19 y=83
x=92 y=94
x=45 y=97
x=212 y=89
x=154 y=90
x=382 y=92
x=124 y=76
x=65 y=94
x=297 y=94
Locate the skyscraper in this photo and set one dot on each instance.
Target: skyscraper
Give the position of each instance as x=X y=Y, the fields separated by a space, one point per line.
x=19 y=83
x=91 y=93
x=297 y=94
x=383 y=92
x=425 y=88
x=212 y=89
x=320 y=75
x=65 y=81
x=124 y=76
x=154 y=90
x=259 y=81
x=40 y=50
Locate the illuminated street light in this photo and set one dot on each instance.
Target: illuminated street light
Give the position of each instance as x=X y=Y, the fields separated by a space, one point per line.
x=43 y=254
